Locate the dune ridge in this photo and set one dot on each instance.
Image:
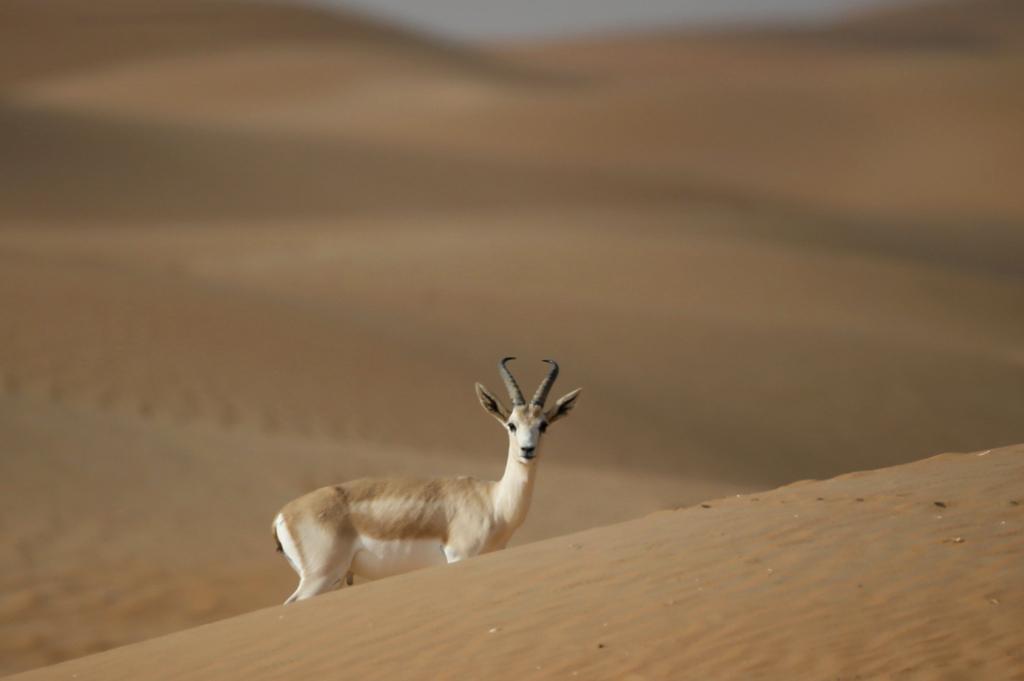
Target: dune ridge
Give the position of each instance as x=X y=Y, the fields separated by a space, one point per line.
x=60 y=37
x=908 y=572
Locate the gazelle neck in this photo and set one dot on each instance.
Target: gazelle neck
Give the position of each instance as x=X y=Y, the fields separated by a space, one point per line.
x=513 y=492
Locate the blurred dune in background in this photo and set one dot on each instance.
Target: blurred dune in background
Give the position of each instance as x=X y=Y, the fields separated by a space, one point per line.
x=247 y=249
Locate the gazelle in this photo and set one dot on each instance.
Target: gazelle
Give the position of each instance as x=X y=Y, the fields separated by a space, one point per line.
x=379 y=528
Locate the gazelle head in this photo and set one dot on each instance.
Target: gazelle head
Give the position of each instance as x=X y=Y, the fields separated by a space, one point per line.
x=526 y=423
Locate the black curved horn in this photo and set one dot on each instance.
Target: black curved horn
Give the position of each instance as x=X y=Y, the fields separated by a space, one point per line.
x=510 y=383
x=545 y=387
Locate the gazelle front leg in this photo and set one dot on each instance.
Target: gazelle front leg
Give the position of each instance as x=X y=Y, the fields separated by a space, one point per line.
x=452 y=555
x=465 y=542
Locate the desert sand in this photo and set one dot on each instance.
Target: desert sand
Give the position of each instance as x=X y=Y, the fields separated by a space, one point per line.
x=913 y=572
x=247 y=250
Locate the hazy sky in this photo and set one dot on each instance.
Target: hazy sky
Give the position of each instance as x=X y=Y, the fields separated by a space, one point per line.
x=516 y=18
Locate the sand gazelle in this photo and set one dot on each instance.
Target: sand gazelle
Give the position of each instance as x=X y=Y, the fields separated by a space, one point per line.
x=378 y=528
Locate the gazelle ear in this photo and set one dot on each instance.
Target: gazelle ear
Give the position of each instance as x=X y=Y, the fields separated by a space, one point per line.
x=491 y=403
x=563 y=406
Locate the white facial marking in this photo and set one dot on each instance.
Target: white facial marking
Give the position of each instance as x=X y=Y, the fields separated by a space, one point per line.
x=526 y=437
x=525 y=433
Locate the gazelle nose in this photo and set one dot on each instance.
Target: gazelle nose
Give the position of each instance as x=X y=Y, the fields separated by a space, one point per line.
x=528 y=450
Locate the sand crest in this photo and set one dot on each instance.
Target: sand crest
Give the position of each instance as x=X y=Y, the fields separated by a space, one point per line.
x=913 y=572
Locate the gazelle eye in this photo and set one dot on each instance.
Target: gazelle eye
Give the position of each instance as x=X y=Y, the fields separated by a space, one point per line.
x=543 y=426
x=512 y=427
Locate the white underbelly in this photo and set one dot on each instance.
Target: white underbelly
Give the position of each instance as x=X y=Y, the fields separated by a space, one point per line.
x=378 y=558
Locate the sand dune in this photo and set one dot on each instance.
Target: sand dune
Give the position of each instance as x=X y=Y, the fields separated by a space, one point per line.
x=970 y=25
x=44 y=40
x=247 y=250
x=911 y=572
x=782 y=123
x=197 y=176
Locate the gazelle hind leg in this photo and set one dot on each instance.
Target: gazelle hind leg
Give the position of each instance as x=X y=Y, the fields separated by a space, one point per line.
x=313 y=586
x=322 y=563
x=330 y=576
x=290 y=552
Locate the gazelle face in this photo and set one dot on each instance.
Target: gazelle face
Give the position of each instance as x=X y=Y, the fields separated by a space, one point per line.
x=526 y=423
x=525 y=427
